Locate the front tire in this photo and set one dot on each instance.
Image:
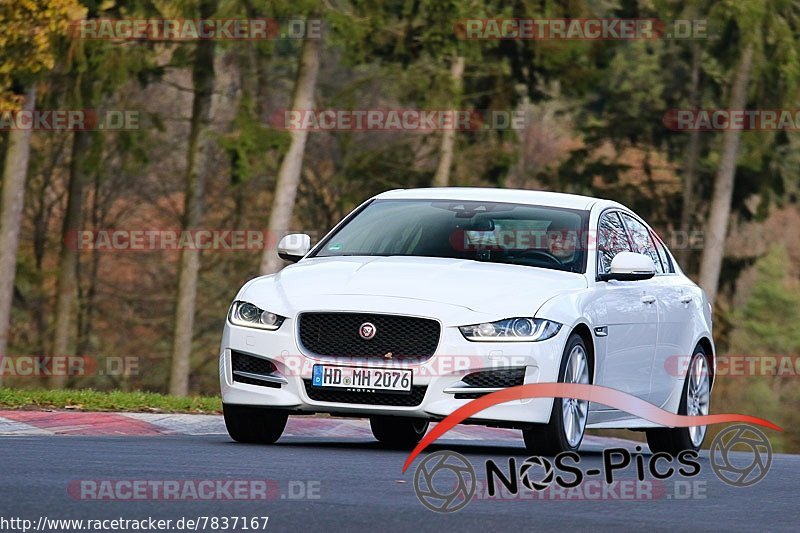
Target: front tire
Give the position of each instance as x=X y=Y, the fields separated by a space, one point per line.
x=564 y=432
x=695 y=400
x=398 y=432
x=254 y=425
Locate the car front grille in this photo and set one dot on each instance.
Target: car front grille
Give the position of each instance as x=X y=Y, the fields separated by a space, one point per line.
x=491 y=379
x=254 y=365
x=327 y=394
x=397 y=337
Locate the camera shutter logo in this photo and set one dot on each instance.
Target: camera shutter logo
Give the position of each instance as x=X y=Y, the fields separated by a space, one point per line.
x=759 y=455
x=531 y=463
x=445 y=496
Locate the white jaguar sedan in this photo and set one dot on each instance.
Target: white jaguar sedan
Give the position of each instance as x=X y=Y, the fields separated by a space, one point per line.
x=421 y=300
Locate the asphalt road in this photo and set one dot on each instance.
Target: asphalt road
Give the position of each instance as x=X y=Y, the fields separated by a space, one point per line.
x=358 y=486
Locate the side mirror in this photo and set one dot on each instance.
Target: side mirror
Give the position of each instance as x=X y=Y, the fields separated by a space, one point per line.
x=630 y=266
x=294 y=247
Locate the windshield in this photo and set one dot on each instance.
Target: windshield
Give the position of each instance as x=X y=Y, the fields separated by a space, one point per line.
x=493 y=232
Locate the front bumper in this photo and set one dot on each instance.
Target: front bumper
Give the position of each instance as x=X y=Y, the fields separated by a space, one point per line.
x=436 y=378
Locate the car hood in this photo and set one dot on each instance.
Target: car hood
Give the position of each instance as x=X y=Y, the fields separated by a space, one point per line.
x=455 y=288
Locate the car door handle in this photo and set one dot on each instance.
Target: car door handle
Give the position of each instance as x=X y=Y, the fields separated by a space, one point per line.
x=686 y=298
x=648 y=299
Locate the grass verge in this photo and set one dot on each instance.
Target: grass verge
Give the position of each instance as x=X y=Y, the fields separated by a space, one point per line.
x=91 y=400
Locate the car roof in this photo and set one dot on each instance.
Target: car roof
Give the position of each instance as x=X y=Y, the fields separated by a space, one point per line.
x=487 y=194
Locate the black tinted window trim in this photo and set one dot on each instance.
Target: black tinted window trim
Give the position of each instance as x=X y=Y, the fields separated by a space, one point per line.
x=605 y=212
x=667 y=254
x=673 y=271
x=649 y=232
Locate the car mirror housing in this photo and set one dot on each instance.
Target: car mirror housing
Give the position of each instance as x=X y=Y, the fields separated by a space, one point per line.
x=630 y=266
x=294 y=247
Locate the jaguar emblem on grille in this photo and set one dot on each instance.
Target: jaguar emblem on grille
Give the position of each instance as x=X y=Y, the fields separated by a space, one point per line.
x=367 y=330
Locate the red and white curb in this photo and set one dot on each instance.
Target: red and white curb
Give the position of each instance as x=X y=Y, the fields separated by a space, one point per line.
x=65 y=423
x=73 y=423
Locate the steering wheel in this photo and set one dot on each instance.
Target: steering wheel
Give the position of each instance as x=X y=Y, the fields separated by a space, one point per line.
x=541 y=253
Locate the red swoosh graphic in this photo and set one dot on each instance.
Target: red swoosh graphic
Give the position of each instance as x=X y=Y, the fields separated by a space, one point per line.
x=593 y=393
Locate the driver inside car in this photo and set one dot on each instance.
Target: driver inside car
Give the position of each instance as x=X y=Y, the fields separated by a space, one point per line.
x=562 y=242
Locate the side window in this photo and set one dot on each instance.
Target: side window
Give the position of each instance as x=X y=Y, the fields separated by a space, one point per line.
x=663 y=254
x=611 y=240
x=642 y=241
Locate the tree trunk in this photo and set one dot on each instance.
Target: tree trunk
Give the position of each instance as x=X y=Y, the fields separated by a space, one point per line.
x=68 y=259
x=87 y=298
x=692 y=156
x=442 y=176
x=251 y=105
x=15 y=170
x=40 y=308
x=717 y=226
x=256 y=82
x=196 y=175
x=280 y=217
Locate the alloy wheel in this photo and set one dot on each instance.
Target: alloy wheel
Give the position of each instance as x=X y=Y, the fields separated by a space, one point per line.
x=698 y=396
x=574 y=411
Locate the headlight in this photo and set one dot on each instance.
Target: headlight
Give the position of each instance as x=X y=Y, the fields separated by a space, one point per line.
x=251 y=316
x=512 y=329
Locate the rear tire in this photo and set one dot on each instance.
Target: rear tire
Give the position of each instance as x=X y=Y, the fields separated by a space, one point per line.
x=564 y=432
x=398 y=432
x=254 y=425
x=675 y=440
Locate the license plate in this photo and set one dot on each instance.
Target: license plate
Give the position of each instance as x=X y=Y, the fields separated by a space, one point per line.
x=361 y=378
